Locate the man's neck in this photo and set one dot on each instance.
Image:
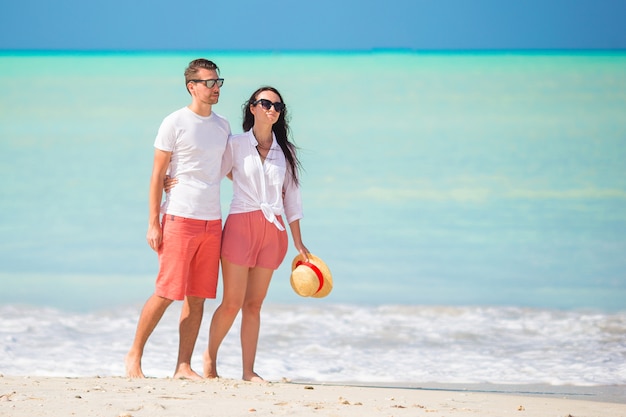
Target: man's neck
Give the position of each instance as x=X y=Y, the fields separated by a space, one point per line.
x=200 y=109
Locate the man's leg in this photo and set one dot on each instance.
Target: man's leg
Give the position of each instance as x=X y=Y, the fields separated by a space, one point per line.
x=150 y=316
x=190 y=320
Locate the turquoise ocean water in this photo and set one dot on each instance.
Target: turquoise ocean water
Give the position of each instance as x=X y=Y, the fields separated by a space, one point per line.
x=486 y=191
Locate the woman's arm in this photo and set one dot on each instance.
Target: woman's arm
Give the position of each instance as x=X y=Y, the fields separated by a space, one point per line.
x=297 y=239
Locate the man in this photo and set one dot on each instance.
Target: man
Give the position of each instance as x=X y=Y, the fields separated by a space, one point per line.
x=189 y=146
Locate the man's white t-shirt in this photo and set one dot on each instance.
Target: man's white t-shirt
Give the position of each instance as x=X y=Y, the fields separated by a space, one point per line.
x=197 y=144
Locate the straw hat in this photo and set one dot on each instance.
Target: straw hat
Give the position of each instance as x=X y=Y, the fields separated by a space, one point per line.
x=310 y=279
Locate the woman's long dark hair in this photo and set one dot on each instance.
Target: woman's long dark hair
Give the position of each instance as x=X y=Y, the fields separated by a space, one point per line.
x=280 y=129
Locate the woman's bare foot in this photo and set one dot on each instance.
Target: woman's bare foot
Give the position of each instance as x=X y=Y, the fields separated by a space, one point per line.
x=133 y=366
x=209 y=370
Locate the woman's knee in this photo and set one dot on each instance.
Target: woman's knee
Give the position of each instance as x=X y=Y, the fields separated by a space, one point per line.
x=230 y=308
x=252 y=306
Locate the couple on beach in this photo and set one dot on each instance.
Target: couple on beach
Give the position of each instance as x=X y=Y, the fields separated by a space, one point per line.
x=194 y=151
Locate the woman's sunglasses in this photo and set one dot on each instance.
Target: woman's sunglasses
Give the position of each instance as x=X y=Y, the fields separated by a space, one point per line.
x=266 y=104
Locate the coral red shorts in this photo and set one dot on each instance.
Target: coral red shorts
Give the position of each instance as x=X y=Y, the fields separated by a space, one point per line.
x=250 y=240
x=188 y=258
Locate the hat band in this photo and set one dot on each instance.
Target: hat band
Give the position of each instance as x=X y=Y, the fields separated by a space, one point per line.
x=317 y=271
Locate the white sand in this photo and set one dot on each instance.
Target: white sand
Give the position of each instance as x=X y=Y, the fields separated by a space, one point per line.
x=122 y=397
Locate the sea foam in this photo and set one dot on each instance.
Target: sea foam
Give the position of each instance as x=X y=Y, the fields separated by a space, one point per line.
x=338 y=343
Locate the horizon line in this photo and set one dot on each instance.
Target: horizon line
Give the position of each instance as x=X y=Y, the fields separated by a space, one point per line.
x=121 y=51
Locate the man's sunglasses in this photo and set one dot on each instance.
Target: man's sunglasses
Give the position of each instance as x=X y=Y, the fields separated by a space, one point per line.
x=266 y=104
x=210 y=83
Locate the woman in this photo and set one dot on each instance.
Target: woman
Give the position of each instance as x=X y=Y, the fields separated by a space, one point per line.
x=264 y=168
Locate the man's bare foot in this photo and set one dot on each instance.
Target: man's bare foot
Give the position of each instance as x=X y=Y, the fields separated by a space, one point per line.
x=209 y=370
x=184 y=371
x=133 y=366
x=254 y=377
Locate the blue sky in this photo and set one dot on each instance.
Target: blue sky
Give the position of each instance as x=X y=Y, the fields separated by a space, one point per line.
x=312 y=25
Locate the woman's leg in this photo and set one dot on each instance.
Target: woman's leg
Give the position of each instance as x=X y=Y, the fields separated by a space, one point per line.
x=235 y=279
x=258 y=284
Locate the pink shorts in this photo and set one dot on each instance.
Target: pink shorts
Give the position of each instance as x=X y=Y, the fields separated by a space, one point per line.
x=250 y=240
x=188 y=258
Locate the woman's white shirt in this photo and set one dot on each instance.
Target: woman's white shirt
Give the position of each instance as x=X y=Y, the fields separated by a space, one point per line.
x=259 y=185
